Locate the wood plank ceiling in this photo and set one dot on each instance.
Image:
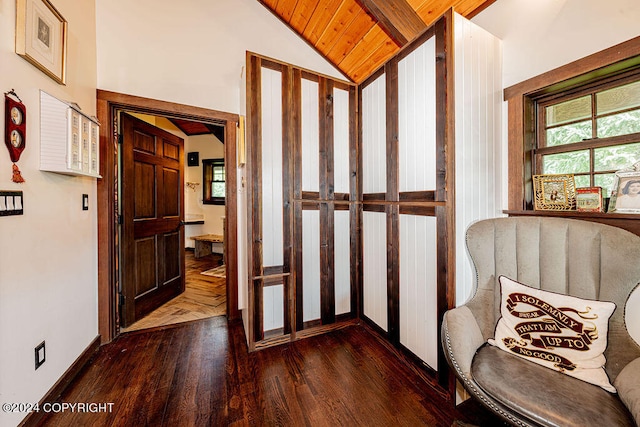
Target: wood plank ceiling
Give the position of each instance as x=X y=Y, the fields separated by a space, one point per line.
x=191 y=128
x=358 y=36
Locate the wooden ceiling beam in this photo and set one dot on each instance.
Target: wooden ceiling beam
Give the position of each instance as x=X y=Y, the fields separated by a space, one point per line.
x=397 y=18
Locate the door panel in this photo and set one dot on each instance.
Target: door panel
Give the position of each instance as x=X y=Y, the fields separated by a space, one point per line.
x=171 y=150
x=144 y=142
x=153 y=209
x=145 y=271
x=172 y=192
x=145 y=200
x=172 y=248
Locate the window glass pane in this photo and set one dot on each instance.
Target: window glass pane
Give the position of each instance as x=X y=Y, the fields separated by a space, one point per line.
x=606 y=182
x=619 y=98
x=218 y=173
x=582 y=180
x=619 y=124
x=570 y=133
x=217 y=189
x=569 y=111
x=616 y=158
x=573 y=162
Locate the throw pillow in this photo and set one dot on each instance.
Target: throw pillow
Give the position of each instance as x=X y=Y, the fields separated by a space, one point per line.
x=558 y=331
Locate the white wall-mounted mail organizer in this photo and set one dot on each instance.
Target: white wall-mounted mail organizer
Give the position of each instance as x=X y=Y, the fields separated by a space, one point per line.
x=69 y=139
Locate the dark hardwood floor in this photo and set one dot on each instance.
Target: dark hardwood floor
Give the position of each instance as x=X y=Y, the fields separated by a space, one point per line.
x=200 y=374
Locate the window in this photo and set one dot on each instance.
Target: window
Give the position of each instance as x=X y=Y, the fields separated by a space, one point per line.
x=213 y=176
x=590 y=132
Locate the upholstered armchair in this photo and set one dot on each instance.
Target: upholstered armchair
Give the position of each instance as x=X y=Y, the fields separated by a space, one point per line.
x=571 y=257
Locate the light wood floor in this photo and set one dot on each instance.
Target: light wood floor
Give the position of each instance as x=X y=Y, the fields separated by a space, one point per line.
x=204 y=297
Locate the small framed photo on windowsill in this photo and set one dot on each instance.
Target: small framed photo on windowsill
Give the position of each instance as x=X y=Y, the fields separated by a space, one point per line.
x=625 y=197
x=554 y=192
x=589 y=199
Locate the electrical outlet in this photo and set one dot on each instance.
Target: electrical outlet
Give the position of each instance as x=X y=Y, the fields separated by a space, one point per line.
x=40 y=354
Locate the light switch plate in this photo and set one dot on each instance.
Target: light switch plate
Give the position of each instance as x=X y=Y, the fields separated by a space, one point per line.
x=11 y=203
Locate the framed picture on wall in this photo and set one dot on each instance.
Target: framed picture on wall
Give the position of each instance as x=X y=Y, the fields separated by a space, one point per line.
x=554 y=192
x=41 y=37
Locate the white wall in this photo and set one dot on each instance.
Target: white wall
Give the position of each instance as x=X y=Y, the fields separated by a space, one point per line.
x=342 y=261
x=541 y=35
x=271 y=155
x=478 y=96
x=374 y=261
x=418 y=287
x=48 y=259
x=374 y=134
x=310 y=136
x=311 y=288
x=417 y=118
x=192 y=51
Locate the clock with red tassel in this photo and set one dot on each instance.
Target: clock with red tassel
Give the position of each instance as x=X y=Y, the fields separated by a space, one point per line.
x=15 y=127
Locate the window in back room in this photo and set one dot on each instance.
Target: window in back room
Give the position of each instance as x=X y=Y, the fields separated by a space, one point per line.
x=214 y=181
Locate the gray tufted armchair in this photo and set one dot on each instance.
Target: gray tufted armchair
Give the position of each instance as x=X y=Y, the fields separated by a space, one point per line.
x=578 y=258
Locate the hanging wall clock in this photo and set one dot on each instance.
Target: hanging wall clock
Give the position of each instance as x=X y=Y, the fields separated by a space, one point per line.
x=15 y=126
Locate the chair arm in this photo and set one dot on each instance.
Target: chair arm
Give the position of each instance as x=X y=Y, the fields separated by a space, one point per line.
x=628 y=385
x=461 y=337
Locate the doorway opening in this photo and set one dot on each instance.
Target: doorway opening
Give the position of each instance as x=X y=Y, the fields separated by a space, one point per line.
x=203 y=224
x=109 y=103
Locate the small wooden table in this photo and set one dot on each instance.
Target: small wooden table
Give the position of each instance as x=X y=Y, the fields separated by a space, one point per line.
x=203 y=244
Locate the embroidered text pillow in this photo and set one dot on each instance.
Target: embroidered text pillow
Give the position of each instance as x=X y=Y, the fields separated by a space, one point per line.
x=558 y=331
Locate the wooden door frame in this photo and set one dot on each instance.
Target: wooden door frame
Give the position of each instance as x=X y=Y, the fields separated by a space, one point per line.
x=107 y=103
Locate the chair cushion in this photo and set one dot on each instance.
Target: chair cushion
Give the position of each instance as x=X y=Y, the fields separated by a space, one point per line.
x=561 y=332
x=544 y=396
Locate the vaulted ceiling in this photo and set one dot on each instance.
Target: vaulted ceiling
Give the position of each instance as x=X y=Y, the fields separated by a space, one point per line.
x=358 y=36
x=191 y=128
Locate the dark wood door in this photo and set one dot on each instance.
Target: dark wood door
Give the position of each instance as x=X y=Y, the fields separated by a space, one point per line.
x=153 y=210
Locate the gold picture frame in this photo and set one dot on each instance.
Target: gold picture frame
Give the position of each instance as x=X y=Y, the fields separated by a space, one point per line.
x=41 y=37
x=554 y=192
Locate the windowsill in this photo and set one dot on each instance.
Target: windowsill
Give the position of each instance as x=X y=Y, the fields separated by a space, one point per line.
x=213 y=202
x=573 y=214
x=626 y=221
